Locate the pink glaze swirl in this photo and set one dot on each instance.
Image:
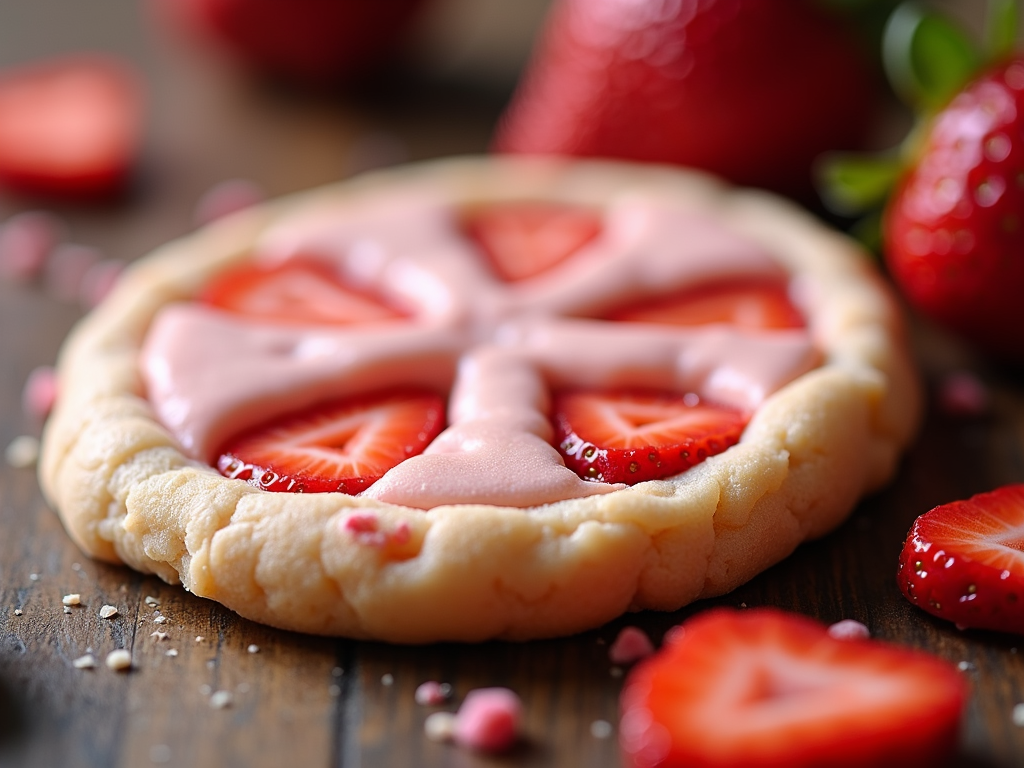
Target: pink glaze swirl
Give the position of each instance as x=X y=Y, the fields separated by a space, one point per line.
x=497 y=347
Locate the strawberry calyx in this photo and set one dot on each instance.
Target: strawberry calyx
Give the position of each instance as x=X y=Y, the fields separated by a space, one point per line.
x=633 y=436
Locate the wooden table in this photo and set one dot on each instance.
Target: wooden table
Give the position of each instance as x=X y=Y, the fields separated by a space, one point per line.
x=299 y=700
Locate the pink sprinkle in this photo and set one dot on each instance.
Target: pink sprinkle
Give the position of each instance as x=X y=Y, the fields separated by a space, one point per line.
x=848 y=629
x=40 y=392
x=401 y=534
x=98 y=281
x=489 y=719
x=433 y=693
x=362 y=522
x=25 y=242
x=66 y=269
x=963 y=394
x=226 y=198
x=631 y=645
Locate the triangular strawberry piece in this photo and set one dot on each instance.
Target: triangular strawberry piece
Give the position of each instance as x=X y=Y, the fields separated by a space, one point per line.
x=629 y=437
x=760 y=688
x=69 y=127
x=524 y=239
x=742 y=303
x=344 y=446
x=294 y=292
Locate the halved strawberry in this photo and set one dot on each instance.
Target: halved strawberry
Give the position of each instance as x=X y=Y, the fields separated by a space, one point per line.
x=632 y=436
x=760 y=688
x=964 y=561
x=523 y=239
x=344 y=446
x=69 y=127
x=752 y=304
x=294 y=292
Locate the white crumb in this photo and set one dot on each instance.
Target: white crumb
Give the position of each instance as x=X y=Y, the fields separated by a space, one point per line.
x=108 y=612
x=199 y=638
x=159 y=619
x=600 y=729
x=33 y=577
x=22 y=452
x=67 y=609
x=18 y=612
x=253 y=648
x=151 y=601
x=171 y=652
x=88 y=661
x=440 y=726
x=119 y=660
x=158 y=635
x=73 y=599
x=222 y=699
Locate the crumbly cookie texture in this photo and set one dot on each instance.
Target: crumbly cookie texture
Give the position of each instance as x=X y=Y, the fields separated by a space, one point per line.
x=329 y=564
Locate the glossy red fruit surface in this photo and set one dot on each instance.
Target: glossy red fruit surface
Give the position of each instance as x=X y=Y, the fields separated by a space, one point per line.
x=964 y=561
x=629 y=437
x=293 y=292
x=522 y=240
x=343 y=446
x=306 y=40
x=753 y=90
x=70 y=127
x=766 y=689
x=954 y=227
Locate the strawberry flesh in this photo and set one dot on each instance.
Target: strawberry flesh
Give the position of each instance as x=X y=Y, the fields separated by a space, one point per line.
x=952 y=231
x=749 y=304
x=524 y=239
x=294 y=292
x=964 y=561
x=344 y=446
x=633 y=436
x=69 y=127
x=760 y=688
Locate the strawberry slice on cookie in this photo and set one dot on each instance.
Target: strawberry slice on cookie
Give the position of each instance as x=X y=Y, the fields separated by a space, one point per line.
x=294 y=292
x=522 y=240
x=748 y=304
x=629 y=437
x=762 y=688
x=343 y=446
x=964 y=561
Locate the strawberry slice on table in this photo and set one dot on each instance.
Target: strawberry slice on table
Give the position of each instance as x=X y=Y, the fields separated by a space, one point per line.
x=632 y=436
x=761 y=688
x=69 y=127
x=750 y=304
x=964 y=561
x=524 y=239
x=294 y=292
x=344 y=445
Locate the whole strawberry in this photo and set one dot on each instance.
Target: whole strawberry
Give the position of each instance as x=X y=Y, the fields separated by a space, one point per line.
x=953 y=232
x=752 y=90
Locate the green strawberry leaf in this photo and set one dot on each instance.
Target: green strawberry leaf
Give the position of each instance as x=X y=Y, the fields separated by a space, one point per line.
x=851 y=184
x=926 y=56
x=1002 y=27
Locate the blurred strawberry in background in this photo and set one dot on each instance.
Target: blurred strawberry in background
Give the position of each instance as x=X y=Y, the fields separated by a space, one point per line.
x=752 y=90
x=70 y=127
x=307 y=41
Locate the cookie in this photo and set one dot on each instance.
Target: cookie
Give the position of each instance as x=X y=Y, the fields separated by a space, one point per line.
x=493 y=528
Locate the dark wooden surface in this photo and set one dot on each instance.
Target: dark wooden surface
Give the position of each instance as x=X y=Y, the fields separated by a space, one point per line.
x=320 y=702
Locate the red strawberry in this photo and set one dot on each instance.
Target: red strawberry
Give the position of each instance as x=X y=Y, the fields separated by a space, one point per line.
x=752 y=90
x=524 y=239
x=762 y=688
x=629 y=437
x=294 y=292
x=69 y=127
x=744 y=303
x=964 y=561
x=345 y=445
x=306 y=40
x=954 y=229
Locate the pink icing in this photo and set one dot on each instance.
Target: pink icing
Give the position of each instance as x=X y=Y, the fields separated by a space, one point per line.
x=631 y=645
x=496 y=347
x=489 y=720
